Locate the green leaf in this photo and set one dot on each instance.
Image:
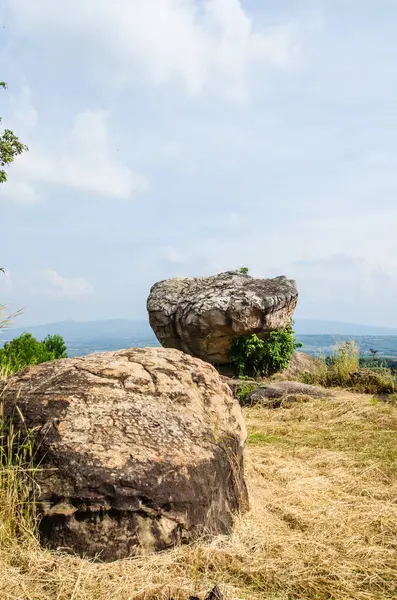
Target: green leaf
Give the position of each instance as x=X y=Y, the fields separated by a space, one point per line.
x=10 y=146
x=254 y=356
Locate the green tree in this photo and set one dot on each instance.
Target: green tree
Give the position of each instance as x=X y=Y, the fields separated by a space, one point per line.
x=254 y=356
x=26 y=350
x=55 y=344
x=10 y=146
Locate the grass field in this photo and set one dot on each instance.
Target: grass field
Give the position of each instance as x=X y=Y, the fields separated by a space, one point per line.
x=322 y=525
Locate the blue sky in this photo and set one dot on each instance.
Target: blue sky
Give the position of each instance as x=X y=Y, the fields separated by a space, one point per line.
x=187 y=137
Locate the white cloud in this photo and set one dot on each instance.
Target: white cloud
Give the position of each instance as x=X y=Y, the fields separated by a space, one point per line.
x=351 y=287
x=84 y=160
x=170 y=150
x=345 y=266
x=51 y=284
x=235 y=222
x=173 y=256
x=20 y=193
x=25 y=115
x=6 y=284
x=206 y=44
x=307 y=172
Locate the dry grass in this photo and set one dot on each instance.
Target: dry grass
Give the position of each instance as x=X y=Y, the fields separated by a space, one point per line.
x=322 y=523
x=6 y=320
x=344 y=371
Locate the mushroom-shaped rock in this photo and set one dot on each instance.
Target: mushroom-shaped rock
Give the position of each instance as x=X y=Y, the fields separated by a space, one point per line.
x=139 y=450
x=202 y=316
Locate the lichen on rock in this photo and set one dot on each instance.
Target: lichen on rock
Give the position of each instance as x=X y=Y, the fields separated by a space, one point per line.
x=203 y=315
x=139 y=450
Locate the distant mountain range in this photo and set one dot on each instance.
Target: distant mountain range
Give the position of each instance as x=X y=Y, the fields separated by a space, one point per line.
x=73 y=331
x=316 y=327
x=86 y=330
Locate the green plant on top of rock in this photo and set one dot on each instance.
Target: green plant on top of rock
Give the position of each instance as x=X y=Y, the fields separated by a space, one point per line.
x=243 y=270
x=255 y=356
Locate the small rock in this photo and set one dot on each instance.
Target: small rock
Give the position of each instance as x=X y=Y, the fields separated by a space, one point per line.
x=278 y=393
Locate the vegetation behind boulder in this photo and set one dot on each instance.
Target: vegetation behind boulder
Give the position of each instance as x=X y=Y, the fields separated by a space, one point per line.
x=254 y=356
x=344 y=369
x=26 y=350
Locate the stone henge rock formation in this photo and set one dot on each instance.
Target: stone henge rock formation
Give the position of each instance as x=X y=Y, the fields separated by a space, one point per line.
x=139 y=450
x=202 y=316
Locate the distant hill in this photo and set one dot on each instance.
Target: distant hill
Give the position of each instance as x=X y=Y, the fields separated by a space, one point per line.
x=73 y=331
x=111 y=329
x=318 y=337
x=314 y=327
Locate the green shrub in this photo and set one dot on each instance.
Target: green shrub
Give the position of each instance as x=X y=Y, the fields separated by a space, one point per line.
x=243 y=389
x=55 y=344
x=26 y=350
x=373 y=382
x=254 y=356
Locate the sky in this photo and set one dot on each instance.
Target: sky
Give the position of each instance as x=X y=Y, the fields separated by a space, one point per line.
x=189 y=137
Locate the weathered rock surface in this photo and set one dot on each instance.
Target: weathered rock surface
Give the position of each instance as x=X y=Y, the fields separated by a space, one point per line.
x=202 y=316
x=282 y=392
x=139 y=449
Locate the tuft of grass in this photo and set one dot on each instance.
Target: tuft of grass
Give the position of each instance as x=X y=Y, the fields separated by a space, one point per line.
x=6 y=369
x=243 y=388
x=7 y=319
x=392 y=399
x=17 y=475
x=343 y=370
x=346 y=360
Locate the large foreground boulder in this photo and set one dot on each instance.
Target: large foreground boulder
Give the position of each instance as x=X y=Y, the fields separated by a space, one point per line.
x=138 y=449
x=202 y=316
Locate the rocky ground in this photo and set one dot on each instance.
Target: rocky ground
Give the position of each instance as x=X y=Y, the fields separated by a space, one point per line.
x=322 y=524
